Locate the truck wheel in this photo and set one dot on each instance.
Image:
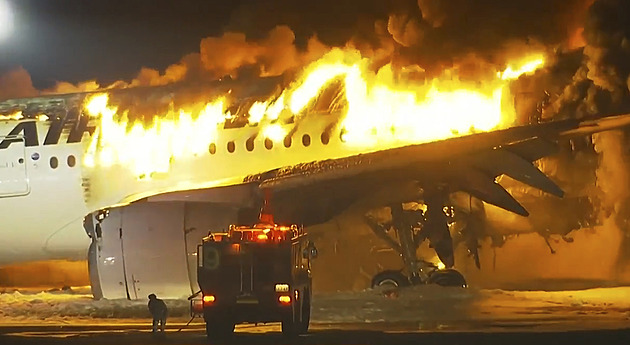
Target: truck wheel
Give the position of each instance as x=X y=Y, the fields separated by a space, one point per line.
x=306 y=313
x=447 y=277
x=390 y=279
x=290 y=328
x=219 y=329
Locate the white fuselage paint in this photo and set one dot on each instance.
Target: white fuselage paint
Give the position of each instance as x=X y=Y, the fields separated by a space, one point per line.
x=44 y=221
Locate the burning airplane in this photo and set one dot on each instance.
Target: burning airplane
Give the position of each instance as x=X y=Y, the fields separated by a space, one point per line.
x=347 y=131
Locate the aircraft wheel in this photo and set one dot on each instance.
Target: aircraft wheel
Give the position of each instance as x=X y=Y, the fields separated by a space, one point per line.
x=393 y=279
x=447 y=277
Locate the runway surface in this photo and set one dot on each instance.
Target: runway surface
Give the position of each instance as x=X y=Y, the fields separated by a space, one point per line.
x=420 y=315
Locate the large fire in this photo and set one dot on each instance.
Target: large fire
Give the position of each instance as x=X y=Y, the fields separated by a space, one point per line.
x=381 y=110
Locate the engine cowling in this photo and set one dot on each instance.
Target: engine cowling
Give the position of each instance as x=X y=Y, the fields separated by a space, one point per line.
x=150 y=247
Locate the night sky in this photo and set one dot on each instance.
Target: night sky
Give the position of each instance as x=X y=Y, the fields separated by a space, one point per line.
x=77 y=40
x=109 y=40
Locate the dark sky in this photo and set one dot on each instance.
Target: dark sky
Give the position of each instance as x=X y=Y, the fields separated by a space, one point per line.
x=77 y=40
x=109 y=40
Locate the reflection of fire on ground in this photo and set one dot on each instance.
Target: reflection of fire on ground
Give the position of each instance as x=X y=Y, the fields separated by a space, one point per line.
x=48 y=274
x=421 y=307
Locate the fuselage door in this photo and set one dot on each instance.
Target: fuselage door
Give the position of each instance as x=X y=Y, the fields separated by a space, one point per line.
x=13 y=177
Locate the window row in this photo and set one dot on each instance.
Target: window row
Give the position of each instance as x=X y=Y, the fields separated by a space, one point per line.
x=71 y=161
x=249 y=144
x=54 y=161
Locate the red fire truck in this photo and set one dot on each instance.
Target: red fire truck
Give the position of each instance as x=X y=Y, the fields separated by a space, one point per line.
x=256 y=274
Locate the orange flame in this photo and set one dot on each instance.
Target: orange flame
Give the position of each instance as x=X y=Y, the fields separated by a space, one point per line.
x=15 y=116
x=381 y=111
x=18 y=115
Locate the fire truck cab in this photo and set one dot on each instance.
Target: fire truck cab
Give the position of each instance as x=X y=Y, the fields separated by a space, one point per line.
x=256 y=274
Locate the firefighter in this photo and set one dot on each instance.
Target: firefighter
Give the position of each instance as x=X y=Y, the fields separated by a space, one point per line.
x=159 y=311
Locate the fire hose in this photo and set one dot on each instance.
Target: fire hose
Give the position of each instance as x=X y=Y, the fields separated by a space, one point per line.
x=192 y=318
x=193 y=315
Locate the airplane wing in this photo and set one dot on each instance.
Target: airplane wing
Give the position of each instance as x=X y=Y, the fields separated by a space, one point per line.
x=315 y=192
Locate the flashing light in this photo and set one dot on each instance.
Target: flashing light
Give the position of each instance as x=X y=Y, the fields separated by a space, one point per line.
x=208 y=299
x=236 y=248
x=284 y=299
x=282 y=287
x=262 y=237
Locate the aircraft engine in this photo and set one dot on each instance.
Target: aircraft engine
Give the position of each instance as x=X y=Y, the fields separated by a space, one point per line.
x=150 y=247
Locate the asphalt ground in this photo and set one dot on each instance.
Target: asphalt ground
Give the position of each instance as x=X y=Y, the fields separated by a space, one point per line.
x=324 y=334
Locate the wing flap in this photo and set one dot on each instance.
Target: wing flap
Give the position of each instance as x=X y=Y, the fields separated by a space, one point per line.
x=533 y=149
x=483 y=187
x=502 y=161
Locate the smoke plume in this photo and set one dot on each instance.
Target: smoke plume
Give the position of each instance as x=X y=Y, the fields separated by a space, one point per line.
x=16 y=83
x=271 y=38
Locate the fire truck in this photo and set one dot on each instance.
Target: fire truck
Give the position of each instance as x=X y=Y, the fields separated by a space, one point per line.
x=255 y=274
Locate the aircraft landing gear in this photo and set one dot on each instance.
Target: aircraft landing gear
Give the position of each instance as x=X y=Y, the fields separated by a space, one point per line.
x=447 y=277
x=390 y=279
x=413 y=227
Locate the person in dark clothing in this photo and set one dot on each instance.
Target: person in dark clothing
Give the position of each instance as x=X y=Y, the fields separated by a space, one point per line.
x=159 y=311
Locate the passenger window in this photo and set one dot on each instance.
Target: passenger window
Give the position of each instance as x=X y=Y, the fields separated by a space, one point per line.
x=72 y=161
x=54 y=162
x=325 y=138
x=268 y=144
x=306 y=140
x=341 y=135
x=212 y=148
x=231 y=147
x=287 y=141
x=249 y=144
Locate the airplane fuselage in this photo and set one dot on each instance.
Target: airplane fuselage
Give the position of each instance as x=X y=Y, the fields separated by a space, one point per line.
x=48 y=190
x=42 y=198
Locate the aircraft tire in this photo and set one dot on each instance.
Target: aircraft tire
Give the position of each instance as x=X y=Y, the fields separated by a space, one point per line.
x=448 y=277
x=390 y=278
